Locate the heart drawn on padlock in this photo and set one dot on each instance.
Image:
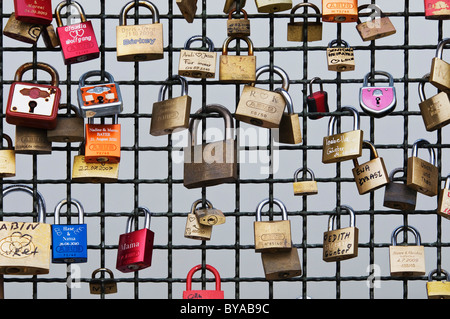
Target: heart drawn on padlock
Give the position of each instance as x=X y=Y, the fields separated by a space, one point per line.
x=76 y=33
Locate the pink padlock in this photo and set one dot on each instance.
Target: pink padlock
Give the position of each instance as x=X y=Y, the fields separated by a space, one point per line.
x=377 y=101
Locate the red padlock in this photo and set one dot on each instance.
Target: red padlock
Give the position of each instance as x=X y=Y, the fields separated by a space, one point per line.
x=136 y=248
x=32 y=11
x=317 y=101
x=78 y=42
x=202 y=294
x=437 y=9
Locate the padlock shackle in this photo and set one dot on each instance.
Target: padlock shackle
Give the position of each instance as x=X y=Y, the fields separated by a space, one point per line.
x=332 y=218
x=208 y=41
x=436 y=271
x=41 y=209
x=198 y=202
x=8 y=140
x=311 y=83
x=332 y=121
x=175 y=77
x=440 y=47
x=102 y=270
x=306 y=5
x=287 y=98
x=197 y=268
x=395 y=171
x=279 y=203
x=302 y=169
x=88 y=74
x=73 y=107
x=229 y=39
x=415 y=150
x=421 y=87
x=407 y=228
x=447 y=182
x=235 y=10
x=141 y=3
x=39 y=65
x=267 y=69
x=373 y=151
x=130 y=219
x=65 y=202
x=370 y=75
x=63 y=4
x=336 y=41
x=375 y=8
x=115 y=119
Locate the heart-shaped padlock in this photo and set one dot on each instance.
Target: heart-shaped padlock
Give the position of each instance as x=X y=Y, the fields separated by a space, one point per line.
x=377 y=101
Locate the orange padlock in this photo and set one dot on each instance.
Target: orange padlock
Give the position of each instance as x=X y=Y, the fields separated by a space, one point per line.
x=102 y=142
x=339 y=11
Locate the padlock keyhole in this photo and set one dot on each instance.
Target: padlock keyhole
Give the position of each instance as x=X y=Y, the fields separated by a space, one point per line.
x=32 y=105
x=378 y=100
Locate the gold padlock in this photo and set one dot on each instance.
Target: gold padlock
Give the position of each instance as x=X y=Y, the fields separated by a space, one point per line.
x=195 y=230
x=238 y=27
x=295 y=29
x=340 y=59
x=101 y=285
x=304 y=187
x=289 y=131
x=188 y=9
x=209 y=216
x=30 y=140
x=68 y=129
x=198 y=63
x=8 y=159
x=231 y=5
x=271 y=6
x=281 y=265
x=237 y=68
x=444 y=200
x=50 y=37
x=21 y=30
x=440 y=70
x=438 y=289
x=375 y=28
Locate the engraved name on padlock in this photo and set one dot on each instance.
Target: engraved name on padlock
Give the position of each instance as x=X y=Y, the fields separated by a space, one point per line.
x=435 y=110
x=438 y=289
x=7 y=158
x=440 y=69
x=377 y=101
x=32 y=11
x=102 y=285
x=197 y=63
x=341 y=58
x=305 y=187
x=314 y=28
x=203 y=294
x=103 y=142
x=237 y=68
x=437 y=9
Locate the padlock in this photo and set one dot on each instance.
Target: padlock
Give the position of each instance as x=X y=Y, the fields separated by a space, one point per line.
x=370 y=175
x=339 y=10
x=231 y=5
x=377 y=101
x=103 y=142
x=342 y=146
x=188 y=9
x=50 y=37
x=25 y=246
x=289 y=130
x=99 y=99
x=68 y=129
x=7 y=159
x=273 y=235
x=422 y=176
x=238 y=27
x=135 y=248
x=317 y=101
x=340 y=244
x=203 y=294
x=214 y=163
x=305 y=187
x=435 y=111
x=78 y=41
x=198 y=63
x=31 y=11
x=209 y=216
x=406 y=260
x=31 y=104
x=22 y=31
x=262 y=107
x=271 y=6
x=443 y=208
x=139 y=42
x=69 y=242
x=237 y=68
x=100 y=285
x=30 y=140
x=281 y=265
x=438 y=289
x=398 y=195
x=295 y=29
x=440 y=70
x=195 y=230
x=437 y=9
x=375 y=28
x=340 y=59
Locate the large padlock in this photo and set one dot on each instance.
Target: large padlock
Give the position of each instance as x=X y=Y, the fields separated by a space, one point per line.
x=262 y=107
x=437 y=9
x=69 y=128
x=69 y=242
x=422 y=176
x=438 y=289
x=209 y=216
x=171 y=115
x=273 y=235
x=238 y=27
x=101 y=285
x=435 y=110
x=101 y=99
x=188 y=9
x=214 y=163
x=139 y=42
x=25 y=246
x=231 y=5
x=30 y=140
x=305 y=187
x=340 y=244
x=32 y=11
x=135 y=248
x=406 y=260
x=398 y=195
x=103 y=142
x=78 y=41
x=7 y=158
x=31 y=104
x=198 y=63
x=237 y=68
x=295 y=29
x=22 y=31
x=281 y=265
x=379 y=25
x=440 y=69
x=317 y=101
x=271 y=6
x=342 y=146
x=193 y=228
x=377 y=101
x=339 y=10
x=444 y=200
x=289 y=131
x=203 y=294
x=340 y=58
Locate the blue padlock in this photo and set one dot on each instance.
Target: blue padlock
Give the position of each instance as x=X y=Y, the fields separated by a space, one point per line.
x=69 y=242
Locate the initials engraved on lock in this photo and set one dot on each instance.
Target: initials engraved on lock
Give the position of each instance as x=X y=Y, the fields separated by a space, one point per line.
x=19 y=243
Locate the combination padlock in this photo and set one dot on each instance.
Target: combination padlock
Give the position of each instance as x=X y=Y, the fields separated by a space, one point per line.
x=440 y=69
x=377 y=101
x=188 y=9
x=340 y=58
x=339 y=11
x=398 y=195
x=237 y=68
x=68 y=129
x=32 y=11
x=7 y=158
x=103 y=142
x=22 y=31
x=438 y=289
x=305 y=187
x=437 y=9
x=375 y=28
x=435 y=110
x=314 y=28
x=193 y=228
x=317 y=101
x=203 y=294
x=289 y=131
x=101 y=285
x=197 y=63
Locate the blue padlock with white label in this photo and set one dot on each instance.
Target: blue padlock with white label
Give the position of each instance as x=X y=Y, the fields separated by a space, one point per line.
x=377 y=101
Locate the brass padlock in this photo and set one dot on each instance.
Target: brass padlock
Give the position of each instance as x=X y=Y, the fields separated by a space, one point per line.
x=289 y=131
x=7 y=159
x=50 y=37
x=438 y=289
x=422 y=176
x=209 y=216
x=21 y=30
x=68 y=129
x=273 y=235
x=375 y=28
x=342 y=146
x=398 y=195
x=340 y=59
x=238 y=27
x=171 y=115
x=270 y=6
x=101 y=285
x=237 y=68
x=198 y=63
x=435 y=111
x=30 y=140
x=340 y=244
x=281 y=265
x=370 y=175
x=188 y=9
x=195 y=230
x=313 y=29
x=440 y=70
x=444 y=200
x=406 y=260
x=339 y=11
x=305 y=187
x=231 y=5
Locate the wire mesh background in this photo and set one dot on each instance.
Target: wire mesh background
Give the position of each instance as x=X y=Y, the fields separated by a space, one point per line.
x=151 y=168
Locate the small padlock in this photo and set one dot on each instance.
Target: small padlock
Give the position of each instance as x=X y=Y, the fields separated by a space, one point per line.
x=444 y=200
x=281 y=265
x=406 y=260
x=50 y=37
x=31 y=104
x=231 y=5
x=99 y=99
x=422 y=176
x=273 y=235
x=188 y=9
x=135 y=248
x=295 y=29
x=100 y=285
x=377 y=101
x=339 y=11
x=262 y=107
x=271 y=6
x=289 y=129
x=30 y=140
x=342 y=146
x=440 y=70
x=209 y=216
x=8 y=159
x=435 y=111
x=139 y=42
x=68 y=129
x=238 y=27
x=340 y=244
x=305 y=187
x=197 y=63
x=438 y=289
x=203 y=294
x=195 y=230
x=340 y=59
x=237 y=68
x=31 y=11
x=22 y=31
x=437 y=9
x=317 y=101
x=398 y=195
x=69 y=242
x=103 y=142
x=375 y=28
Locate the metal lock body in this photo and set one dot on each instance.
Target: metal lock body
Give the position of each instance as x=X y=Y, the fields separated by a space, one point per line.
x=31 y=104
x=398 y=195
x=25 y=246
x=7 y=159
x=203 y=294
x=209 y=216
x=377 y=101
x=135 y=248
x=31 y=11
x=271 y=6
x=171 y=115
x=22 y=31
x=437 y=9
x=198 y=63
x=195 y=230
x=30 y=140
x=68 y=129
x=103 y=142
x=188 y=9
x=289 y=130
x=305 y=187
x=238 y=27
x=78 y=41
x=274 y=235
x=139 y=42
x=99 y=286
x=339 y=11
x=340 y=59
x=406 y=260
x=435 y=111
x=281 y=265
x=102 y=99
x=69 y=242
x=443 y=208
x=438 y=289
x=237 y=68
x=50 y=37
x=317 y=101
x=214 y=163
x=422 y=176
x=340 y=244
x=342 y=146
x=262 y=107
x=440 y=69
x=295 y=29
x=232 y=5
x=375 y=28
